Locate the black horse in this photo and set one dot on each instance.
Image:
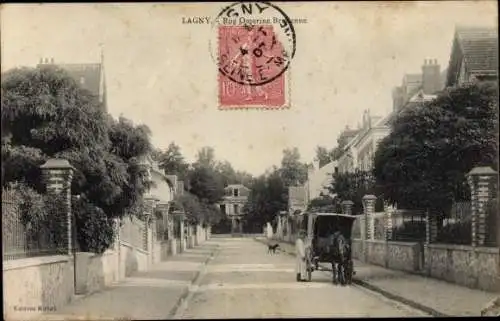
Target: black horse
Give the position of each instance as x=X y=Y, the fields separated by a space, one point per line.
x=340 y=250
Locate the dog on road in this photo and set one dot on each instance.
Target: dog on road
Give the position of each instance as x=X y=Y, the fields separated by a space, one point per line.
x=271 y=248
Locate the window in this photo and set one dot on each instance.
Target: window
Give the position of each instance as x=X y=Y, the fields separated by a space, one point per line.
x=235 y=192
x=236 y=209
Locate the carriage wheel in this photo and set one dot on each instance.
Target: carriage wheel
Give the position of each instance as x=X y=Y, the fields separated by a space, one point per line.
x=334 y=274
x=342 y=274
x=350 y=272
x=309 y=267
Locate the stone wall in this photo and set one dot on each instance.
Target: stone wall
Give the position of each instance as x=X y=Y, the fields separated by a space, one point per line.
x=44 y=284
x=376 y=252
x=474 y=267
x=405 y=256
x=357 y=249
x=36 y=285
x=464 y=265
x=95 y=271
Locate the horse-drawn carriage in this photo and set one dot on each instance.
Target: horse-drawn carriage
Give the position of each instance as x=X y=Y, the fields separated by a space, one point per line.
x=329 y=241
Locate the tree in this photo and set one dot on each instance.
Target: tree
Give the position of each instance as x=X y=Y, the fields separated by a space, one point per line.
x=268 y=196
x=323 y=156
x=230 y=176
x=293 y=172
x=46 y=114
x=206 y=184
x=205 y=157
x=171 y=161
x=353 y=187
x=423 y=162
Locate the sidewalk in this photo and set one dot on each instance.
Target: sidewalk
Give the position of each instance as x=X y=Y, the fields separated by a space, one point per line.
x=433 y=296
x=152 y=294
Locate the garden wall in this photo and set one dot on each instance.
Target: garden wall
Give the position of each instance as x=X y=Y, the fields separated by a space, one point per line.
x=404 y=256
x=476 y=268
x=471 y=267
x=35 y=285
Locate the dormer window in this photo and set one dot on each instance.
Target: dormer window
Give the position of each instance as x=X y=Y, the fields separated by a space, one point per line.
x=235 y=192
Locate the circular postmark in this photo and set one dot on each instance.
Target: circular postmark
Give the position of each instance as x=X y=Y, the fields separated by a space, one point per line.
x=255 y=42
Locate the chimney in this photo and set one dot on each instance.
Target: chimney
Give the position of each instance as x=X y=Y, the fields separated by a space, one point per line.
x=431 y=77
x=46 y=60
x=41 y=61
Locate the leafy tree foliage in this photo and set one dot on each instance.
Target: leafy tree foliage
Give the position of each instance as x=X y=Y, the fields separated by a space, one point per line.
x=352 y=187
x=231 y=176
x=293 y=172
x=268 y=196
x=423 y=162
x=205 y=157
x=46 y=114
x=323 y=156
x=206 y=184
x=172 y=161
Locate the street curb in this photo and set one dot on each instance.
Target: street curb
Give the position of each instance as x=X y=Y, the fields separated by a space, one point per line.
x=182 y=299
x=387 y=294
x=399 y=298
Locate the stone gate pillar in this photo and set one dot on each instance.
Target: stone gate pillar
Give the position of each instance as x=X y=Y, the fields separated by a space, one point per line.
x=179 y=218
x=481 y=181
x=58 y=174
x=388 y=210
x=347 y=207
x=369 y=209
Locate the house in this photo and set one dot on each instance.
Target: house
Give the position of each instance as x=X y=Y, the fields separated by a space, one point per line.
x=90 y=76
x=416 y=88
x=164 y=188
x=319 y=179
x=235 y=198
x=360 y=151
x=474 y=55
x=344 y=163
x=297 y=199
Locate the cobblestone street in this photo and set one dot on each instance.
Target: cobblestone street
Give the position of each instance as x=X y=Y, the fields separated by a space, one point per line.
x=244 y=281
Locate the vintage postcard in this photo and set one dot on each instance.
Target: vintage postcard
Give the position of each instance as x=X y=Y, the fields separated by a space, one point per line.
x=253 y=160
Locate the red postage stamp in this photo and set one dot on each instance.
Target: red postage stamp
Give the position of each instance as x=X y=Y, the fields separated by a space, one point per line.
x=253 y=57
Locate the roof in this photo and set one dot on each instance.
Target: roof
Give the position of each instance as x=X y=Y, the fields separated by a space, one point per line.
x=421 y=97
x=236 y=186
x=412 y=78
x=87 y=75
x=479 y=48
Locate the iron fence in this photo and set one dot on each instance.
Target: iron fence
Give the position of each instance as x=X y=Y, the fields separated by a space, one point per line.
x=456 y=228
x=25 y=234
x=408 y=226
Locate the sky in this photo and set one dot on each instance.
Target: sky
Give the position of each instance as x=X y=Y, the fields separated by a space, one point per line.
x=159 y=71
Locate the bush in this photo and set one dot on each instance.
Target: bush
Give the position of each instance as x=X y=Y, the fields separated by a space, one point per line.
x=456 y=233
x=94 y=230
x=31 y=203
